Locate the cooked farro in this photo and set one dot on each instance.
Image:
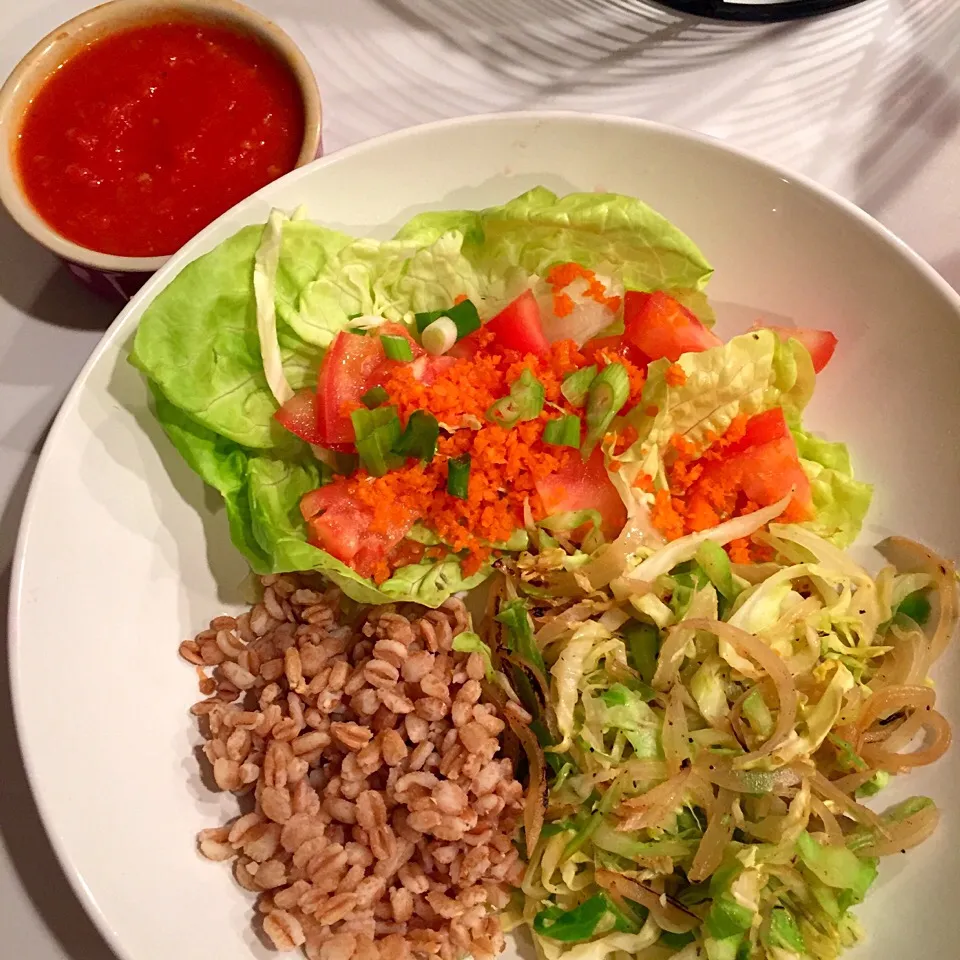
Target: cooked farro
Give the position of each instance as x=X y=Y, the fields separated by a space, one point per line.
x=383 y=816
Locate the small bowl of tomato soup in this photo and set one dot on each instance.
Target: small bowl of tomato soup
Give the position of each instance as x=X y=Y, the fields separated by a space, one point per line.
x=131 y=127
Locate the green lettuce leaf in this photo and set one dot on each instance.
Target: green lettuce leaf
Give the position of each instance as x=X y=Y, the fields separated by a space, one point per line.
x=841 y=501
x=598 y=230
x=262 y=495
x=392 y=280
x=198 y=339
x=220 y=463
x=275 y=489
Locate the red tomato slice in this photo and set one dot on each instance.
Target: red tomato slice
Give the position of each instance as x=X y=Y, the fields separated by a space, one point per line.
x=352 y=365
x=517 y=326
x=760 y=429
x=428 y=369
x=660 y=326
x=615 y=346
x=769 y=470
x=584 y=486
x=341 y=526
x=820 y=344
x=299 y=416
x=465 y=349
x=344 y=373
x=764 y=464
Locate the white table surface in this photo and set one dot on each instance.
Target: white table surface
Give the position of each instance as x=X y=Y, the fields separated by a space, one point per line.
x=867 y=101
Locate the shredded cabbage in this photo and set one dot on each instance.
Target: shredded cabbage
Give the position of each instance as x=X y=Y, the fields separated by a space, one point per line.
x=665 y=776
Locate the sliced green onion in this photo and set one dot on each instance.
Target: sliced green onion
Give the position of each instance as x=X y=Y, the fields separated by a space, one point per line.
x=524 y=402
x=464 y=315
x=377 y=432
x=608 y=393
x=576 y=385
x=716 y=565
x=572 y=926
x=396 y=347
x=374 y=397
x=643 y=646
x=916 y=606
x=563 y=432
x=419 y=438
x=439 y=337
x=458 y=476
x=520 y=639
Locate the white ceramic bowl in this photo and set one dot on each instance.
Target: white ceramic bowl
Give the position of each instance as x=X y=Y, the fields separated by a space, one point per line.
x=123 y=555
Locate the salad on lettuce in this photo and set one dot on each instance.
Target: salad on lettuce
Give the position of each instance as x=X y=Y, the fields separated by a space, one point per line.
x=703 y=687
x=401 y=415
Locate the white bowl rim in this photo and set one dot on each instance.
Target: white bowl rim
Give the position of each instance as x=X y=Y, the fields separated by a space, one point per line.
x=187 y=253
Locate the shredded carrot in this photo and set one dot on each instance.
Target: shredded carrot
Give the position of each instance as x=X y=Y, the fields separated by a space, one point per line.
x=562 y=304
x=563 y=274
x=644 y=482
x=675 y=376
x=614 y=466
x=651 y=411
x=459 y=298
x=565 y=357
x=665 y=516
x=739 y=550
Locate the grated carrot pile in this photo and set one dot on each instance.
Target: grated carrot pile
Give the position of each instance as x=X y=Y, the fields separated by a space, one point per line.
x=506 y=464
x=698 y=498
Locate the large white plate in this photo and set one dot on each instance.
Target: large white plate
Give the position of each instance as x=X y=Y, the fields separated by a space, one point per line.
x=123 y=554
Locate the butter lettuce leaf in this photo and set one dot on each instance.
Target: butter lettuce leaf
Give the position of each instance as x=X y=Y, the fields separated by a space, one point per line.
x=749 y=374
x=198 y=339
x=841 y=501
x=599 y=230
x=275 y=489
x=262 y=495
x=220 y=463
x=392 y=280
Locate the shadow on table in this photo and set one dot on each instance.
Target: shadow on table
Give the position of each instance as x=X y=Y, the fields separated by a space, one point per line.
x=919 y=105
x=21 y=830
x=604 y=42
x=33 y=281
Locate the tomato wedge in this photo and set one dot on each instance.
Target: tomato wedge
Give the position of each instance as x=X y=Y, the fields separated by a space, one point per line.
x=351 y=366
x=760 y=429
x=517 y=326
x=660 y=326
x=299 y=416
x=341 y=526
x=584 y=486
x=820 y=344
x=764 y=464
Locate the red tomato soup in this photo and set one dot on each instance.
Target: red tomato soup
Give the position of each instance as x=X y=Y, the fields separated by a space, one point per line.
x=146 y=135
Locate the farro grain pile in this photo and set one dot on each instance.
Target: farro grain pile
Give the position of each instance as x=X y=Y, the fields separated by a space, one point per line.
x=381 y=815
